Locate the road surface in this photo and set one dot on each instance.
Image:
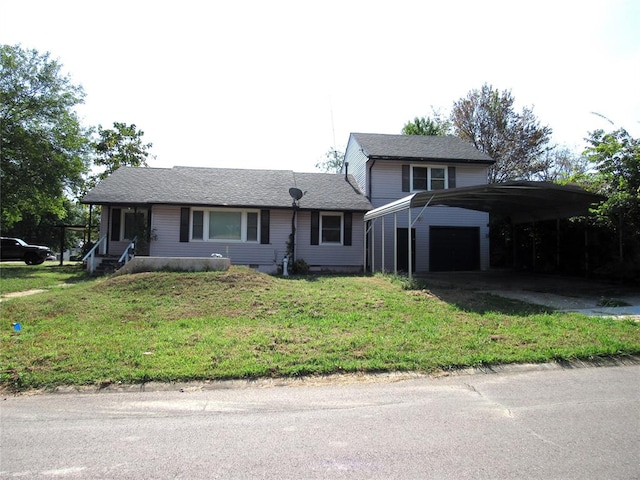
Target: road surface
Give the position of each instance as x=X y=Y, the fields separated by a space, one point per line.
x=536 y=422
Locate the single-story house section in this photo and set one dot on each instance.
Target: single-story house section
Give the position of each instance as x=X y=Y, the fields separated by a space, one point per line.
x=248 y=216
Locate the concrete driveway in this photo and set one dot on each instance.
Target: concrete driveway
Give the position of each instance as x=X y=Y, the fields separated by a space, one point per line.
x=589 y=297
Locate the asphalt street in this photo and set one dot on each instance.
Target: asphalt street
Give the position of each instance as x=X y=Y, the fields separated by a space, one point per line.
x=527 y=422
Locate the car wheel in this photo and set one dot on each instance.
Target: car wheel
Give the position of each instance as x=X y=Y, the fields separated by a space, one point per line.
x=32 y=259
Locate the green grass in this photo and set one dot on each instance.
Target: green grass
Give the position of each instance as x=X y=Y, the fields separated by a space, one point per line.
x=242 y=324
x=19 y=277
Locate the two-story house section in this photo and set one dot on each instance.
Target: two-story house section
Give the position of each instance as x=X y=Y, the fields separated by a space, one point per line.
x=391 y=167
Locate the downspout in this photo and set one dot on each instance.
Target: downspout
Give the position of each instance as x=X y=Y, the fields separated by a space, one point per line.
x=369 y=183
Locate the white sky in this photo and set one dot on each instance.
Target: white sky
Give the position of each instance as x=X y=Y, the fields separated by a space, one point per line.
x=271 y=83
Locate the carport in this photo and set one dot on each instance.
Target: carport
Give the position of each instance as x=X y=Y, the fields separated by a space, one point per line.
x=519 y=201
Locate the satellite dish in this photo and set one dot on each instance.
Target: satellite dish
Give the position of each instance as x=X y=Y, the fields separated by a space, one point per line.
x=295 y=193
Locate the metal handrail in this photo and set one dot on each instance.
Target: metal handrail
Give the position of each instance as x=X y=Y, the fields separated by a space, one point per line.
x=129 y=252
x=90 y=257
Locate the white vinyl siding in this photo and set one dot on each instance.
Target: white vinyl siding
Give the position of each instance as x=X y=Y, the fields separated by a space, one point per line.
x=357 y=164
x=329 y=256
x=266 y=257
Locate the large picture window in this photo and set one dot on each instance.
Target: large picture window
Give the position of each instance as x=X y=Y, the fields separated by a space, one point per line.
x=225 y=225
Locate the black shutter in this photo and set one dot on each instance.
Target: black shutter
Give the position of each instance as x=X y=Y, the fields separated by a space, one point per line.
x=264 y=226
x=348 y=224
x=116 y=213
x=184 y=224
x=405 y=179
x=315 y=228
x=452 y=177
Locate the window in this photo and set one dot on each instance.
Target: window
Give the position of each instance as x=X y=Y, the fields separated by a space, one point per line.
x=428 y=178
x=417 y=178
x=224 y=225
x=331 y=228
x=198 y=225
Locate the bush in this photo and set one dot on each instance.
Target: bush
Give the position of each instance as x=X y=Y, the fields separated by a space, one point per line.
x=299 y=267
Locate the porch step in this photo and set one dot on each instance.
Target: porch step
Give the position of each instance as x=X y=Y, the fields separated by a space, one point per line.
x=108 y=265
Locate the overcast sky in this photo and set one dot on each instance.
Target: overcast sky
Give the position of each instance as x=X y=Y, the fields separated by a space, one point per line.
x=275 y=84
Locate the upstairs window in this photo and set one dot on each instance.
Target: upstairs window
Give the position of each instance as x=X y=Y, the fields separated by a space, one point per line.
x=428 y=178
x=419 y=178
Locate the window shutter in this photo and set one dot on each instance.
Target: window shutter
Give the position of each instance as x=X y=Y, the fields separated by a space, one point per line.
x=116 y=213
x=452 y=177
x=348 y=223
x=315 y=228
x=405 y=178
x=184 y=224
x=264 y=226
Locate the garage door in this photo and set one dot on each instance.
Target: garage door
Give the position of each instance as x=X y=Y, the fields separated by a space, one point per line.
x=454 y=249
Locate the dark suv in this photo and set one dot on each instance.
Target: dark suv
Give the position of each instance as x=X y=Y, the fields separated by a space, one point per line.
x=16 y=249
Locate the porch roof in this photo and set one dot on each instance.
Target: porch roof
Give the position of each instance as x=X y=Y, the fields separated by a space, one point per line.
x=521 y=201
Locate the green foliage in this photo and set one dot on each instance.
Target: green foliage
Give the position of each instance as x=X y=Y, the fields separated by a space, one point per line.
x=43 y=147
x=299 y=267
x=616 y=157
x=516 y=141
x=333 y=162
x=435 y=125
x=118 y=147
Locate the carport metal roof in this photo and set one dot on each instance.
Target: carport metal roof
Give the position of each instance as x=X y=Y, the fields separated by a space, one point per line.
x=520 y=201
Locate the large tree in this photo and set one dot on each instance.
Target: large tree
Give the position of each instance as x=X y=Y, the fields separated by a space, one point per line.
x=436 y=124
x=517 y=142
x=43 y=147
x=333 y=161
x=615 y=157
x=118 y=147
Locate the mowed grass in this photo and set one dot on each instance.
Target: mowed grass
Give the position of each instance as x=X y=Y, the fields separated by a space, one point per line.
x=242 y=324
x=19 y=277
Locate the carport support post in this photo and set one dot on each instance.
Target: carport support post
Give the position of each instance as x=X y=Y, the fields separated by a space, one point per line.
x=383 y=264
x=364 y=248
x=395 y=243
x=373 y=246
x=409 y=242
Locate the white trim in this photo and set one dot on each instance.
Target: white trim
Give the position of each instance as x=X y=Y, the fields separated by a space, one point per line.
x=331 y=214
x=429 y=168
x=205 y=225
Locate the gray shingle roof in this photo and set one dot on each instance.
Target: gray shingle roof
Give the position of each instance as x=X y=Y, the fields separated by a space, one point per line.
x=227 y=187
x=419 y=147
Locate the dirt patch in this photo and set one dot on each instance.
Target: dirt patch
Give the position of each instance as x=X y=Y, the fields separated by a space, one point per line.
x=26 y=293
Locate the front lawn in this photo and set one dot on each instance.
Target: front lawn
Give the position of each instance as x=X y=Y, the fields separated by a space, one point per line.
x=19 y=277
x=242 y=324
